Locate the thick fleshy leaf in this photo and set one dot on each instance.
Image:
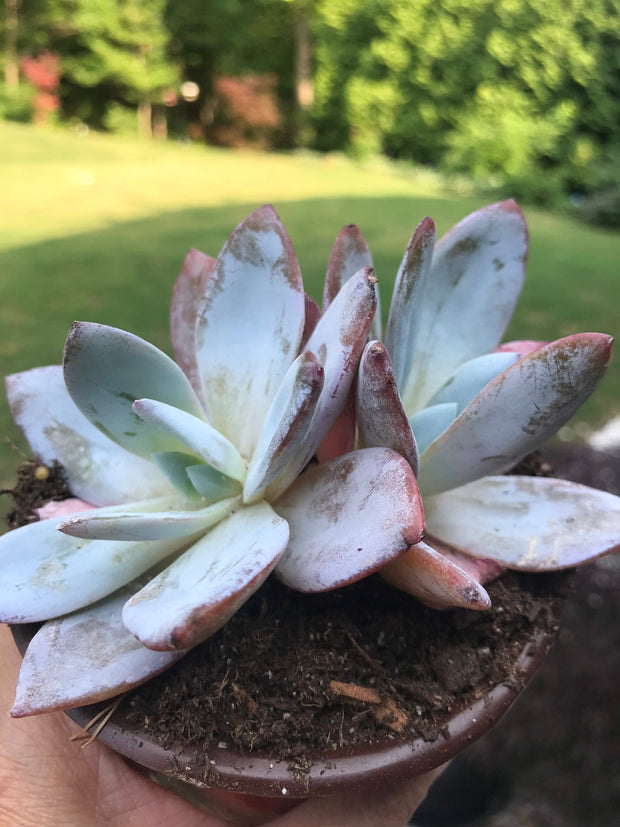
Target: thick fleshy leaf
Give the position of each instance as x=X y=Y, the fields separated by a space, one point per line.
x=434 y=580
x=429 y=423
x=467 y=298
x=85 y=657
x=211 y=484
x=107 y=369
x=195 y=434
x=349 y=255
x=146 y=525
x=337 y=341
x=173 y=465
x=531 y=523
x=311 y=319
x=205 y=586
x=286 y=423
x=348 y=518
x=340 y=438
x=467 y=382
x=381 y=419
x=185 y=307
x=250 y=327
x=98 y=470
x=402 y=323
x=520 y=346
x=44 y=573
x=481 y=569
x=516 y=412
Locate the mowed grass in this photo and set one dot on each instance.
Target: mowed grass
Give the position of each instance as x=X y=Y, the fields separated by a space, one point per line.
x=96 y=228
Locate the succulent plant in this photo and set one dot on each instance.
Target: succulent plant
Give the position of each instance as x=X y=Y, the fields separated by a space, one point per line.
x=464 y=409
x=194 y=469
x=198 y=478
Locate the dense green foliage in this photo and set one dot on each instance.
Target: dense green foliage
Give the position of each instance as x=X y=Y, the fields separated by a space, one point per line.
x=518 y=91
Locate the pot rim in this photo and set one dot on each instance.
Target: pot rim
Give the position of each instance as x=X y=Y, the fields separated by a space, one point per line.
x=364 y=766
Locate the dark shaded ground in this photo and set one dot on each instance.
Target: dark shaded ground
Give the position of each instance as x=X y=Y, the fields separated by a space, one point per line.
x=554 y=760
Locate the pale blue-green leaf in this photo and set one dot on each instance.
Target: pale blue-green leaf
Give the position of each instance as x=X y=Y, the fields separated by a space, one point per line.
x=407 y=298
x=146 y=525
x=286 y=423
x=348 y=518
x=429 y=423
x=531 y=523
x=466 y=301
x=516 y=412
x=468 y=380
x=250 y=327
x=196 y=434
x=437 y=582
x=349 y=255
x=44 y=573
x=173 y=465
x=98 y=470
x=204 y=587
x=211 y=483
x=381 y=419
x=85 y=657
x=107 y=369
x=337 y=342
x=189 y=290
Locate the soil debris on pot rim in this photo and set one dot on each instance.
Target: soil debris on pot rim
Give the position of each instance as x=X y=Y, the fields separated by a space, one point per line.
x=265 y=682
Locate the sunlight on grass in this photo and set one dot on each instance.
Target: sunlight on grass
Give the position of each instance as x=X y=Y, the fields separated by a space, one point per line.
x=55 y=183
x=96 y=228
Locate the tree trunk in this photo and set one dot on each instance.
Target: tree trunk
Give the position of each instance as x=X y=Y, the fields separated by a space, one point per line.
x=145 y=125
x=11 y=65
x=304 y=90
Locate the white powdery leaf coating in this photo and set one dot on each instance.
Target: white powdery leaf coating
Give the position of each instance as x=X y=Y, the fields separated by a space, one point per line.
x=381 y=419
x=467 y=382
x=530 y=523
x=154 y=525
x=349 y=255
x=185 y=306
x=468 y=297
x=98 y=470
x=204 y=587
x=337 y=342
x=516 y=412
x=85 y=657
x=348 y=518
x=406 y=306
x=430 y=422
x=107 y=369
x=195 y=434
x=286 y=423
x=434 y=580
x=44 y=573
x=249 y=327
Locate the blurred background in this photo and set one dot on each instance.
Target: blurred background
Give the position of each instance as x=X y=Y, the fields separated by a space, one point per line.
x=131 y=130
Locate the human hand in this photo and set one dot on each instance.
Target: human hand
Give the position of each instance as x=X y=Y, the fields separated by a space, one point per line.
x=46 y=780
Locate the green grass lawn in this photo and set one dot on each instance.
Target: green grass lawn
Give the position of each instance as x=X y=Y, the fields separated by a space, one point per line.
x=96 y=228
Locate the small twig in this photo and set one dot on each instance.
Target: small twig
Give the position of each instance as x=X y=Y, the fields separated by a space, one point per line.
x=103 y=716
x=372 y=661
x=386 y=712
x=355 y=692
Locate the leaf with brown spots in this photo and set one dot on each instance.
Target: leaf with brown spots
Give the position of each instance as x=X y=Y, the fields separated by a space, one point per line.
x=349 y=518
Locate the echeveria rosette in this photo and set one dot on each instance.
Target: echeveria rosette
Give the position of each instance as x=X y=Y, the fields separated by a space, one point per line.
x=464 y=409
x=194 y=469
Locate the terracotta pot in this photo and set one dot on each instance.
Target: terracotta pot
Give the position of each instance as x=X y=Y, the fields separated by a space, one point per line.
x=250 y=789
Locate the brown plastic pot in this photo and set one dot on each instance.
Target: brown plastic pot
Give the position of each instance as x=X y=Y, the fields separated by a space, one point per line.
x=250 y=789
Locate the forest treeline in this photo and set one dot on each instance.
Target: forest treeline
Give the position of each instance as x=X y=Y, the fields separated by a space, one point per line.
x=524 y=92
